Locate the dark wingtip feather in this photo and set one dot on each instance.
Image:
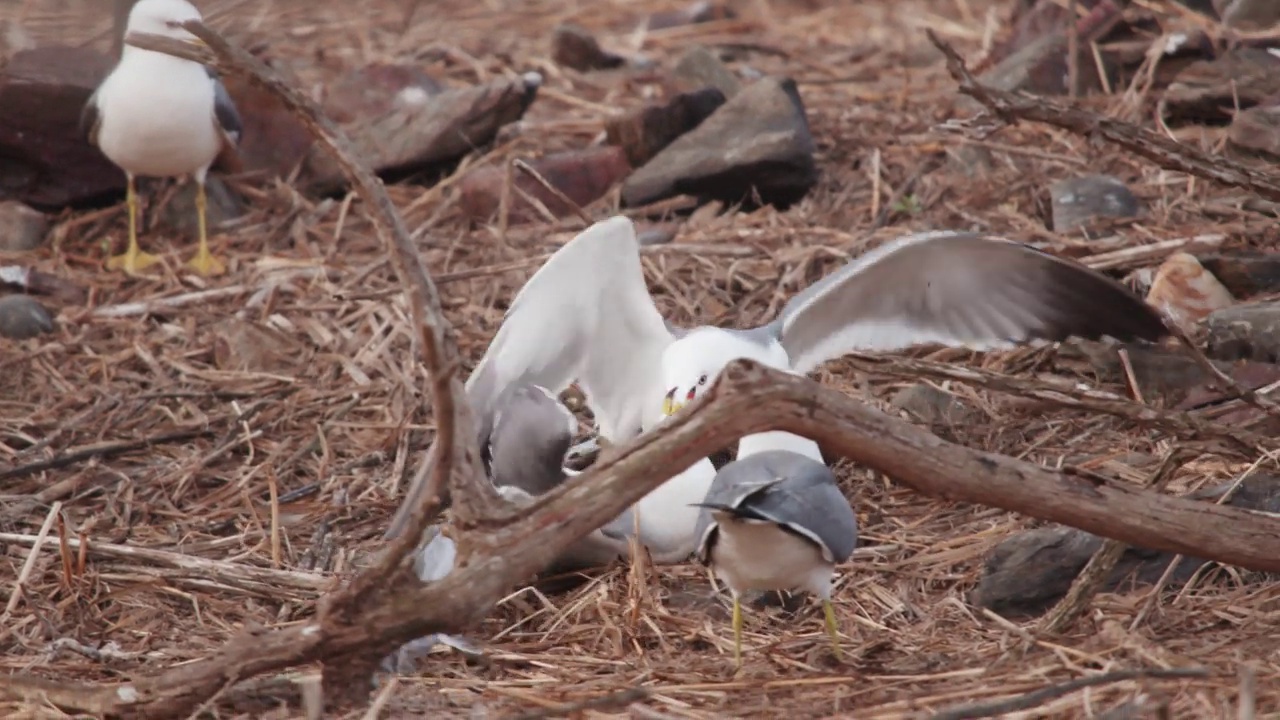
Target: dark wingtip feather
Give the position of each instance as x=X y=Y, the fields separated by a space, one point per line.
x=1092 y=305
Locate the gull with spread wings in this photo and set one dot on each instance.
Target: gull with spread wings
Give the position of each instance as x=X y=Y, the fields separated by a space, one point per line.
x=586 y=316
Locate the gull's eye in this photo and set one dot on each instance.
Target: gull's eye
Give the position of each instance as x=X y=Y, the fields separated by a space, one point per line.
x=702 y=380
x=173 y=24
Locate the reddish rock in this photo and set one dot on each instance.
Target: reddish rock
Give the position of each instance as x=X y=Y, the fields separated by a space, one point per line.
x=1186 y=291
x=48 y=163
x=273 y=139
x=644 y=133
x=698 y=12
x=572 y=46
x=21 y=228
x=584 y=176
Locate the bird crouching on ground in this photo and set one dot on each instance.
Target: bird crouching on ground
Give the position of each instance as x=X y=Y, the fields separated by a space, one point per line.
x=776 y=520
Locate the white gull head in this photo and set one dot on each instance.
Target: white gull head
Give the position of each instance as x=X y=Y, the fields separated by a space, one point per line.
x=164 y=17
x=692 y=362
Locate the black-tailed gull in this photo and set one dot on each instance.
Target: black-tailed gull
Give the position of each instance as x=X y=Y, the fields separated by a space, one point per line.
x=587 y=316
x=156 y=115
x=775 y=520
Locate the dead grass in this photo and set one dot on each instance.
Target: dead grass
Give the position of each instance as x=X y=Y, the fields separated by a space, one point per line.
x=280 y=434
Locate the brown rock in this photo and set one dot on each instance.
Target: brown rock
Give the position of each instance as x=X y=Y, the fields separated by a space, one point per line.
x=698 y=68
x=644 y=133
x=1255 y=15
x=757 y=145
x=1250 y=331
x=1027 y=573
x=21 y=228
x=180 y=212
x=1208 y=90
x=273 y=140
x=1078 y=201
x=1256 y=130
x=1187 y=292
x=249 y=346
x=572 y=46
x=411 y=138
x=583 y=176
x=698 y=12
x=1246 y=275
x=374 y=89
x=23 y=317
x=48 y=163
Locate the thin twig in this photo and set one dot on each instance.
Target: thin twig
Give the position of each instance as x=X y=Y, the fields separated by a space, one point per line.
x=527 y=169
x=619 y=699
x=104 y=449
x=1165 y=152
x=1099 y=567
x=1044 y=695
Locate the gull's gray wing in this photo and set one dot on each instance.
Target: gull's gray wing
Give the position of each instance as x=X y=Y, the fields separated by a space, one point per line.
x=91 y=119
x=786 y=488
x=531 y=433
x=225 y=113
x=585 y=315
x=952 y=288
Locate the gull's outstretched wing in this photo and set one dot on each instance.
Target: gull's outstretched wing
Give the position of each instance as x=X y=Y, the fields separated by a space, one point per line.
x=585 y=315
x=959 y=289
x=788 y=489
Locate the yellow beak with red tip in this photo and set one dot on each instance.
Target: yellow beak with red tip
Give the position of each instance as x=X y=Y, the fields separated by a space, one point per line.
x=670 y=405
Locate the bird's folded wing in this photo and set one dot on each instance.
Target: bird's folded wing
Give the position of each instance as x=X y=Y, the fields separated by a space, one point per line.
x=585 y=315
x=958 y=289
x=226 y=120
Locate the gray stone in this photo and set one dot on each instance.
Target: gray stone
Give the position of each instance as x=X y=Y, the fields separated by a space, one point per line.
x=699 y=68
x=1078 y=201
x=21 y=228
x=755 y=146
x=1250 y=331
x=1029 y=572
x=932 y=406
x=22 y=317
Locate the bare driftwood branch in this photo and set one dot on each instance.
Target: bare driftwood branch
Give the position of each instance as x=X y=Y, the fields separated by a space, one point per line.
x=1169 y=154
x=748 y=398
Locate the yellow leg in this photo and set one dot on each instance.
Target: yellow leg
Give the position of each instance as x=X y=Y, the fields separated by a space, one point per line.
x=737 y=632
x=133 y=260
x=204 y=261
x=830 y=612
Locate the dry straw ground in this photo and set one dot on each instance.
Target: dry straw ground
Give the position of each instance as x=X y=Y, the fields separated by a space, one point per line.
x=227 y=455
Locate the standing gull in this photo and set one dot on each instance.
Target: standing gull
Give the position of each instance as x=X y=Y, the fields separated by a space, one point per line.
x=775 y=520
x=157 y=115
x=586 y=315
